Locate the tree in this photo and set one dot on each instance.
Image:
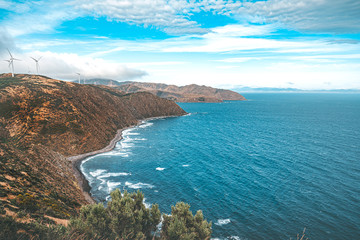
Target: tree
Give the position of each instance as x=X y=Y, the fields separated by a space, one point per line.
x=181 y=224
x=125 y=217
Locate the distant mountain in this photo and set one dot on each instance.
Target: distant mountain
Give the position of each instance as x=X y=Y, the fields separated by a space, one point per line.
x=189 y=93
x=102 y=81
x=268 y=89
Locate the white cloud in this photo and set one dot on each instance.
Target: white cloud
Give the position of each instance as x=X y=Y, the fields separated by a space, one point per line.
x=37 y=16
x=65 y=66
x=6 y=41
x=171 y=16
x=332 y=16
x=175 y=16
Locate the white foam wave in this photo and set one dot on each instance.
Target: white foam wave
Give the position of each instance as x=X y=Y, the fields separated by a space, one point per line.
x=228 y=238
x=115 y=153
x=147 y=205
x=186 y=165
x=131 y=133
x=107 y=175
x=138 y=185
x=139 y=139
x=97 y=172
x=112 y=185
x=145 y=124
x=221 y=222
x=234 y=238
x=160 y=169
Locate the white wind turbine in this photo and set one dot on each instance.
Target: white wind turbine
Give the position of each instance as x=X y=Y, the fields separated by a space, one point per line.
x=11 y=62
x=37 y=64
x=79 y=76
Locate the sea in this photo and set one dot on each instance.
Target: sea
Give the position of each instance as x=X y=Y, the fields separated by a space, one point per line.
x=265 y=168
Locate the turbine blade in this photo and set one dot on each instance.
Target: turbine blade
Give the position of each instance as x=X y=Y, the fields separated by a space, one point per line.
x=16 y=59
x=9 y=52
x=33 y=59
x=40 y=58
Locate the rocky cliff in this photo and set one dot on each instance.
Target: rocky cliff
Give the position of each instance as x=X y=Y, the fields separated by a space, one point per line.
x=43 y=121
x=188 y=93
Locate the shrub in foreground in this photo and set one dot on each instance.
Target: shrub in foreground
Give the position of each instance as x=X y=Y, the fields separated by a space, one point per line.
x=181 y=224
x=124 y=217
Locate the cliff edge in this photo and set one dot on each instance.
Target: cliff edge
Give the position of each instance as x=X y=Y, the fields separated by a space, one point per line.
x=43 y=121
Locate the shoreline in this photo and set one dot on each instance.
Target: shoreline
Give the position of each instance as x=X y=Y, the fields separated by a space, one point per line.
x=78 y=159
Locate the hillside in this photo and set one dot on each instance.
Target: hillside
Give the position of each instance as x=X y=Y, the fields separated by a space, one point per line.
x=188 y=93
x=43 y=121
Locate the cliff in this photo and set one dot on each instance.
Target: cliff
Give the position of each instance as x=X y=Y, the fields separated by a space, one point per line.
x=188 y=93
x=43 y=121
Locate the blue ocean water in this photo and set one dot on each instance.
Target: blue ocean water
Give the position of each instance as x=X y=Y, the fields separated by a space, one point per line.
x=265 y=168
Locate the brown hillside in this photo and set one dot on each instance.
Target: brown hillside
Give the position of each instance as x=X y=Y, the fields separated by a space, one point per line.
x=189 y=93
x=42 y=121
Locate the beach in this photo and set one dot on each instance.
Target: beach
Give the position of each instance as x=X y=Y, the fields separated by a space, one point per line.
x=78 y=159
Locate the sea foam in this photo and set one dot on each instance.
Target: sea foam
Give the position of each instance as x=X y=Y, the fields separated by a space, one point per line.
x=112 y=185
x=107 y=175
x=138 y=185
x=221 y=222
x=97 y=172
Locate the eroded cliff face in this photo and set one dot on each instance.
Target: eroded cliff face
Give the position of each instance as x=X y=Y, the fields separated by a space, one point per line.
x=43 y=120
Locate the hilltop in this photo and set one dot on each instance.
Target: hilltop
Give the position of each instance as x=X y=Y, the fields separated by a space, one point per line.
x=42 y=122
x=188 y=93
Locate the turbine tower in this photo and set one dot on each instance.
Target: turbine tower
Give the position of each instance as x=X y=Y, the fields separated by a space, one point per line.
x=11 y=62
x=37 y=64
x=79 y=76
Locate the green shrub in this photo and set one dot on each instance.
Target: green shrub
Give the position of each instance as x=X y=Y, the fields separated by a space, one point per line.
x=181 y=224
x=125 y=217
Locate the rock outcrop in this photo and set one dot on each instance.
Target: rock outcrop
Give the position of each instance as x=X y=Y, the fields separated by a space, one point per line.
x=43 y=121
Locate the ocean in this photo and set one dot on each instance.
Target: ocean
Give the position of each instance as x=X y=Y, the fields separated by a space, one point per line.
x=265 y=168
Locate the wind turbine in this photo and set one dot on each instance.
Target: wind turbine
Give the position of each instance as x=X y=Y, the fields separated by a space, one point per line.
x=37 y=64
x=79 y=76
x=11 y=62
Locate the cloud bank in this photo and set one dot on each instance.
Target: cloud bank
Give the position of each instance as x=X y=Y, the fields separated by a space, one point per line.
x=65 y=66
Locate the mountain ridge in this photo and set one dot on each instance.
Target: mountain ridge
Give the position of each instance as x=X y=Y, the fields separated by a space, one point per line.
x=188 y=93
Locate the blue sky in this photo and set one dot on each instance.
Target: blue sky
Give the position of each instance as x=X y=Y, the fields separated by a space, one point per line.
x=306 y=44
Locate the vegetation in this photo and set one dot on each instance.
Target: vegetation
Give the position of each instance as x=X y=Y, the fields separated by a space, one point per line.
x=124 y=217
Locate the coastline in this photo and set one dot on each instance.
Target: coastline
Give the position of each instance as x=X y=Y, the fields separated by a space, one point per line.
x=78 y=159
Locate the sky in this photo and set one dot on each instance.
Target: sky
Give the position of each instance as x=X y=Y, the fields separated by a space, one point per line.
x=305 y=44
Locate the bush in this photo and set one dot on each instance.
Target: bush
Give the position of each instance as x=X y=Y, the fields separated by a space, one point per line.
x=125 y=217
x=181 y=224
x=27 y=202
